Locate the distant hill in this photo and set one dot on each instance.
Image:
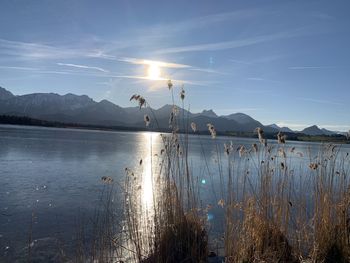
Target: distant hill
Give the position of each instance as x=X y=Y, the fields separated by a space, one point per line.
x=71 y=108
x=328 y=132
x=282 y=129
x=313 y=130
x=241 y=118
x=5 y=94
x=207 y=113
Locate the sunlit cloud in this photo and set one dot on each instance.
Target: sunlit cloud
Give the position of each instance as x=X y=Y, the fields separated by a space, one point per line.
x=82 y=66
x=178 y=81
x=135 y=77
x=154 y=69
x=163 y=64
x=237 y=43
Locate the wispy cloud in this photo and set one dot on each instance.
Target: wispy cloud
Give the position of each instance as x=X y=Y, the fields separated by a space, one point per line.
x=163 y=80
x=254 y=91
x=264 y=79
x=309 y=67
x=58 y=72
x=264 y=59
x=207 y=20
x=82 y=66
x=322 y=16
x=257 y=79
x=240 y=61
x=19 y=68
x=164 y=64
x=106 y=74
x=45 y=71
x=204 y=70
x=32 y=50
x=320 y=101
x=38 y=51
x=233 y=43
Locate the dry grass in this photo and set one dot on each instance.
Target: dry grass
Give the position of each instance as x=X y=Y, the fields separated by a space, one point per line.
x=184 y=241
x=288 y=215
x=277 y=204
x=167 y=228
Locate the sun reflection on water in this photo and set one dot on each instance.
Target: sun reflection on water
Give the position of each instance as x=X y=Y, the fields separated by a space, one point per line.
x=147 y=177
x=142 y=198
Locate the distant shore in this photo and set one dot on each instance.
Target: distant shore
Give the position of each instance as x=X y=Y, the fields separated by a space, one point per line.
x=27 y=121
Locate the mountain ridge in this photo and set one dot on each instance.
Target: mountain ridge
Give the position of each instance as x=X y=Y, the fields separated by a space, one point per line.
x=83 y=109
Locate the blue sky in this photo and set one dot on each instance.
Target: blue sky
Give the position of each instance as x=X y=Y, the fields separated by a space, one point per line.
x=285 y=62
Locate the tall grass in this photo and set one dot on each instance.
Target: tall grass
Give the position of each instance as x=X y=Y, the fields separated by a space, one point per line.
x=169 y=227
x=276 y=212
x=278 y=205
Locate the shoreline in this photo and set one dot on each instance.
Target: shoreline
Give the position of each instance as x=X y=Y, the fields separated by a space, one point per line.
x=31 y=122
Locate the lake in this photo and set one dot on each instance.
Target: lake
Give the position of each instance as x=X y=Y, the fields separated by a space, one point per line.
x=51 y=178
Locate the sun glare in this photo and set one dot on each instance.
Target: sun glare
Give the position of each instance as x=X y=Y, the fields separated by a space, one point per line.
x=153 y=71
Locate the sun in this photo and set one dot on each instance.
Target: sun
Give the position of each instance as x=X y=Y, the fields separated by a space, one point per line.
x=153 y=71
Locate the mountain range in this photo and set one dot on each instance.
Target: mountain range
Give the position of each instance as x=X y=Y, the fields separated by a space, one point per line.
x=71 y=108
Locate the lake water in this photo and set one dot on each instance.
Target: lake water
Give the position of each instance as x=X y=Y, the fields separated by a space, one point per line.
x=52 y=177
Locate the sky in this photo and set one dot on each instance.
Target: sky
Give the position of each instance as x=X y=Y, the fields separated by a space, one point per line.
x=284 y=62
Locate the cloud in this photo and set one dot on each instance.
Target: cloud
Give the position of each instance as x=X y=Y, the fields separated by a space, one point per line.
x=322 y=101
x=163 y=64
x=322 y=16
x=32 y=50
x=44 y=71
x=263 y=79
x=104 y=74
x=240 y=61
x=175 y=81
x=309 y=67
x=67 y=72
x=82 y=66
x=205 y=21
x=37 y=51
x=19 y=68
x=232 y=44
x=204 y=70
x=264 y=59
x=257 y=79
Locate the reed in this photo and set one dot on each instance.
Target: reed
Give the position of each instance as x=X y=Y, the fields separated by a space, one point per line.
x=278 y=204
